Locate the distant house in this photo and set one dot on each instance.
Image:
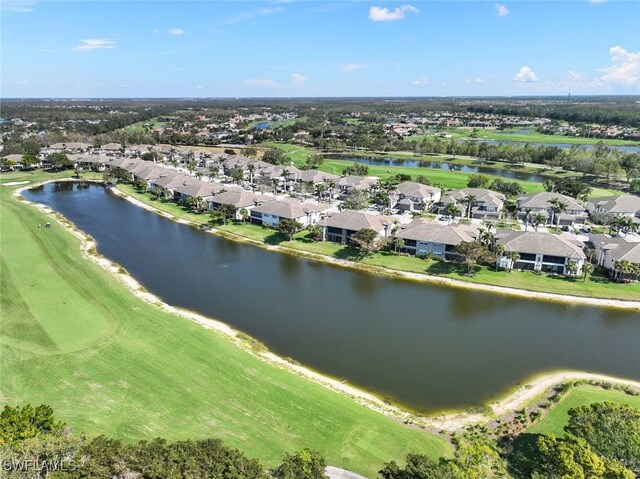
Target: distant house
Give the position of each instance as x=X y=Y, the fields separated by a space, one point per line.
x=611 y=249
x=339 y=227
x=317 y=177
x=93 y=162
x=544 y=252
x=70 y=147
x=270 y=213
x=426 y=237
x=539 y=203
x=623 y=205
x=487 y=204
x=414 y=196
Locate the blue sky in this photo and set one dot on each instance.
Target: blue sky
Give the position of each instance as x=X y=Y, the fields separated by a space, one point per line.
x=280 y=48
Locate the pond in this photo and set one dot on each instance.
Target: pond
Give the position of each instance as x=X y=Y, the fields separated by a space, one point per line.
x=424 y=346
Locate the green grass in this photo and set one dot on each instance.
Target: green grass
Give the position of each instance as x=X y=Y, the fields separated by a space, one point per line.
x=448 y=179
x=558 y=416
x=534 y=137
x=140 y=126
x=75 y=338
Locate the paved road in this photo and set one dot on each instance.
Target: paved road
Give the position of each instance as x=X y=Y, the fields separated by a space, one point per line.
x=337 y=473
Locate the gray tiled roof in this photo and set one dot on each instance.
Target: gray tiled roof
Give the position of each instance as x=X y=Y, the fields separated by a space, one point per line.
x=428 y=231
x=289 y=208
x=534 y=242
x=357 y=220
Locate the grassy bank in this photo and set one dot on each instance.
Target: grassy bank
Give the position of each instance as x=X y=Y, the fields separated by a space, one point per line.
x=447 y=179
x=596 y=285
x=558 y=416
x=73 y=337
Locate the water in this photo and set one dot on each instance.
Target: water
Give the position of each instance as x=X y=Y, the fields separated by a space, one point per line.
x=263 y=125
x=387 y=161
x=424 y=346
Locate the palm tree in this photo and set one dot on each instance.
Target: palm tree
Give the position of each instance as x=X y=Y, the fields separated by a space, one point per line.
x=251 y=168
x=469 y=200
x=557 y=207
x=285 y=174
x=526 y=218
x=452 y=210
x=318 y=190
x=587 y=269
x=538 y=219
x=499 y=251
x=621 y=269
x=572 y=267
x=330 y=186
x=513 y=256
x=274 y=183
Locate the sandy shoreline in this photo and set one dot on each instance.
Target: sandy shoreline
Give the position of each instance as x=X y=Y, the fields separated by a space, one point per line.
x=448 y=421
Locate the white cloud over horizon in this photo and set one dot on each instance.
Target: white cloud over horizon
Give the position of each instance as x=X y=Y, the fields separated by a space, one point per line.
x=94 y=44
x=383 y=14
x=625 y=68
x=526 y=75
x=420 y=82
x=176 y=31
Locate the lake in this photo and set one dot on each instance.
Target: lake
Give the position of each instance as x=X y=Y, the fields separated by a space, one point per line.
x=424 y=346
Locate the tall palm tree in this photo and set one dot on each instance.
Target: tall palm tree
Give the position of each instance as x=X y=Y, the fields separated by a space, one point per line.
x=318 y=190
x=251 y=168
x=526 y=218
x=499 y=251
x=285 y=174
x=513 y=256
x=469 y=200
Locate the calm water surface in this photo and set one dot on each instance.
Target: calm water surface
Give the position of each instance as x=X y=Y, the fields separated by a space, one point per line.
x=424 y=346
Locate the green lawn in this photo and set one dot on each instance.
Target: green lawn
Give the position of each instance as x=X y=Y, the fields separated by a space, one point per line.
x=534 y=137
x=73 y=337
x=140 y=126
x=558 y=416
x=445 y=178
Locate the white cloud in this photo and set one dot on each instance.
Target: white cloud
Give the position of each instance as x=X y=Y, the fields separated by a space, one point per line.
x=501 y=10
x=383 y=14
x=596 y=2
x=18 y=6
x=176 y=31
x=574 y=76
x=526 y=74
x=420 y=82
x=625 y=68
x=94 y=44
x=298 y=80
x=263 y=83
x=474 y=80
x=198 y=87
x=353 y=67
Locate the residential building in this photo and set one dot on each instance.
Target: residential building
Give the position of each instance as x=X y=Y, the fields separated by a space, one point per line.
x=414 y=196
x=540 y=203
x=339 y=227
x=422 y=236
x=270 y=213
x=610 y=249
x=538 y=251
x=623 y=205
x=486 y=205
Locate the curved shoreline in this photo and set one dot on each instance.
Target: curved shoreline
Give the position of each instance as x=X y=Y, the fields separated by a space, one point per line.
x=449 y=421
